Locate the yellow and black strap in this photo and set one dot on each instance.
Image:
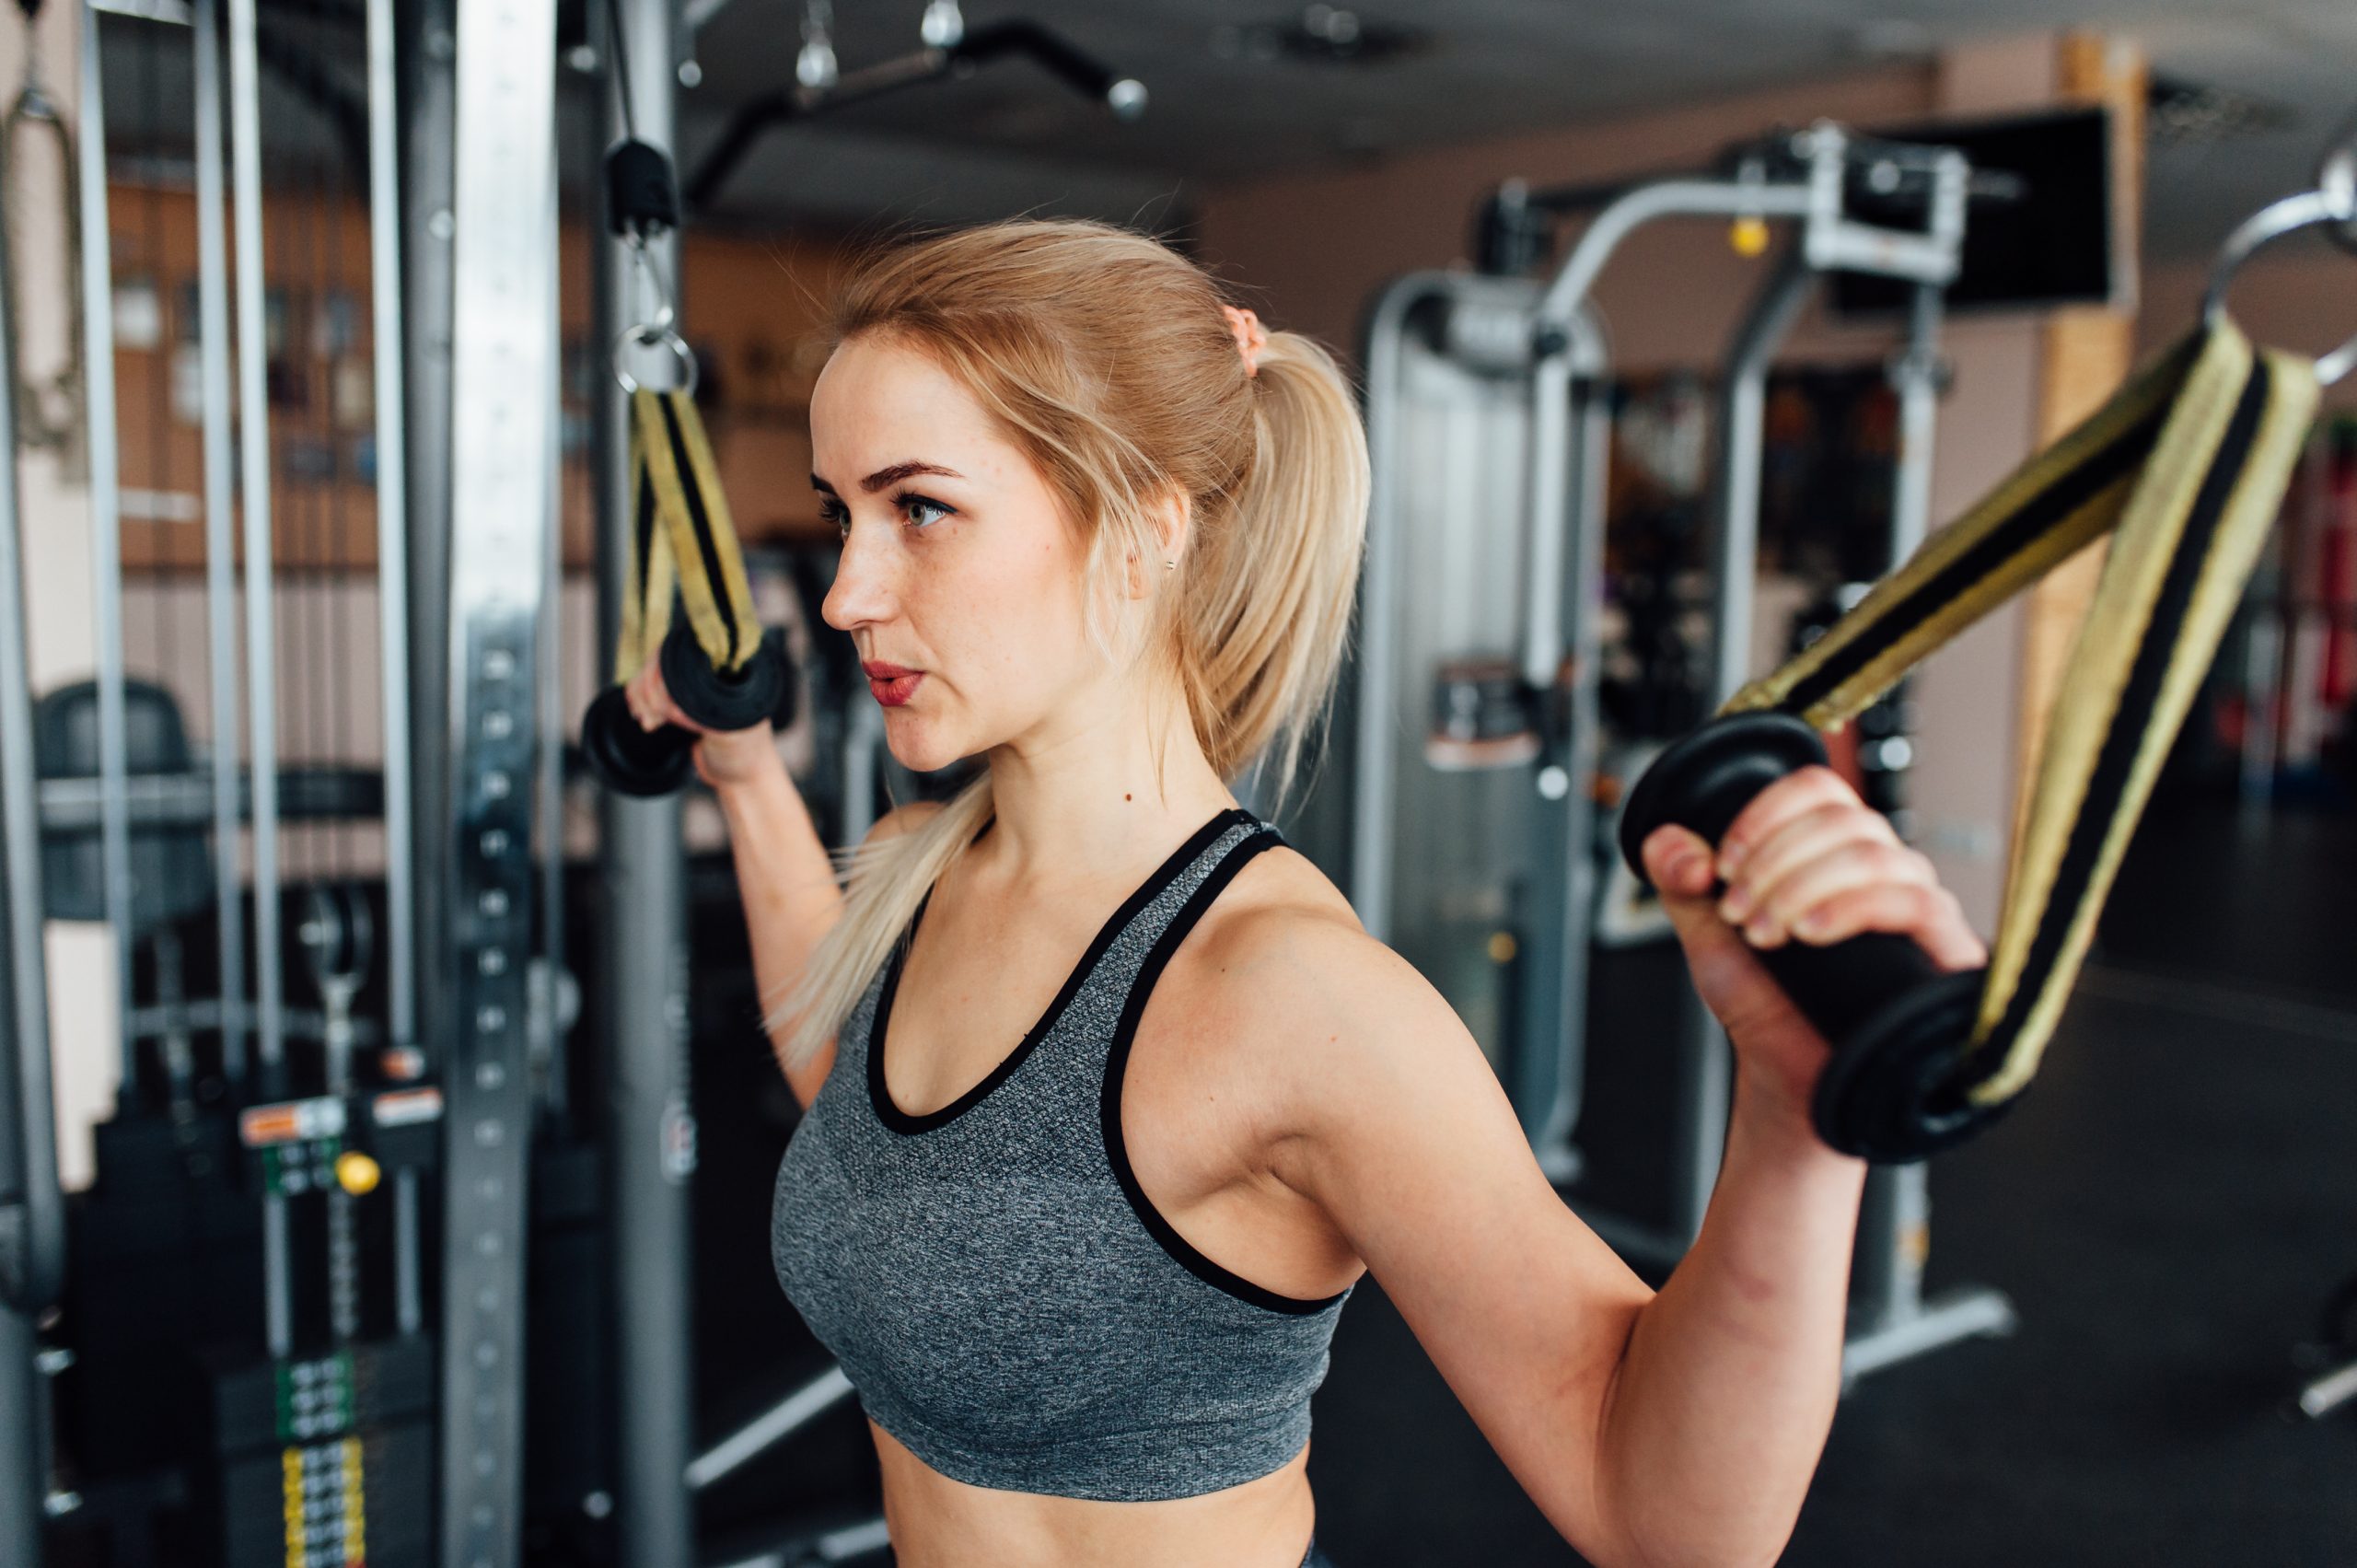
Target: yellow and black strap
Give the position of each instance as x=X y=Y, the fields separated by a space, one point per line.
x=682 y=540
x=2185 y=467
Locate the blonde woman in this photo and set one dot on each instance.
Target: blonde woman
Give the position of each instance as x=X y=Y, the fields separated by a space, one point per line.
x=1110 y=1100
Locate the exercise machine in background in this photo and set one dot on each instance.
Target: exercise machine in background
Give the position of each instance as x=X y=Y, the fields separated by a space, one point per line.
x=1469 y=832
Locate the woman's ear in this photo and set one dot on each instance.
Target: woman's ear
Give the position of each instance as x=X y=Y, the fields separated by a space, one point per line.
x=1170 y=516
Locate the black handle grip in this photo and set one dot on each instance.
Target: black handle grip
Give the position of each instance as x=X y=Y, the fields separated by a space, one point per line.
x=649 y=762
x=725 y=700
x=1899 y=1025
x=631 y=761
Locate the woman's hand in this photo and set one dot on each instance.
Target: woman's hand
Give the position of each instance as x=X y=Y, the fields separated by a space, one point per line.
x=1806 y=860
x=723 y=757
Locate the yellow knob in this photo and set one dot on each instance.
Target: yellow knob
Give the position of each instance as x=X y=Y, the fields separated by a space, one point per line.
x=356 y=1173
x=1501 y=948
x=1748 y=236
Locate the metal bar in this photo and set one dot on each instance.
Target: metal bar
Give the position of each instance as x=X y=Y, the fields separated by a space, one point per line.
x=278 y=1299
x=1677 y=198
x=427 y=88
x=1917 y=373
x=32 y=1269
x=1592 y=430
x=392 y=524
x=409 y=1304
x=220 y=542
x=548 y=1011
x=27 y=1133
x=500 y=345
x=24 y=1460
x=781 y=1420
x=261 y=666
x=72 y=805
x=642 y=961
x=106 y=524
x=1370 y=876
x=1743 y=407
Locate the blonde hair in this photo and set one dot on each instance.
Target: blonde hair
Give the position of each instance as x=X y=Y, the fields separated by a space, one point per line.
x=1103 y=356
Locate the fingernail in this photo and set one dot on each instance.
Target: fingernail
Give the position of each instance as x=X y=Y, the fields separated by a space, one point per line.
x=1761 y=929
x=1730 y=860
x=1735 y=907
x=1809 y=925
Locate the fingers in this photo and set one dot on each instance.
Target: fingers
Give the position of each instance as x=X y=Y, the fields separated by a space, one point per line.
x=1929 y=914
x=1679 y=861
x=1794 y=794
x=650 y=700
x=1807 y=860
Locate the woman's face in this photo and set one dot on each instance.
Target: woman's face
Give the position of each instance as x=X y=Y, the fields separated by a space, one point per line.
x=960 y=582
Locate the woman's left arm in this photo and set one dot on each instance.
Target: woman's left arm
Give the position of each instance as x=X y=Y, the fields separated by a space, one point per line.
x=1674 y=1428
x=1755 y=1309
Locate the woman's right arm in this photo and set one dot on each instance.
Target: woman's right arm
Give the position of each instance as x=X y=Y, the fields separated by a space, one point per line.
x=783 y=872
x=788 y=882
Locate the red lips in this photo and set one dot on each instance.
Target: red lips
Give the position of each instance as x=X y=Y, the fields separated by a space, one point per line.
x=891 y=684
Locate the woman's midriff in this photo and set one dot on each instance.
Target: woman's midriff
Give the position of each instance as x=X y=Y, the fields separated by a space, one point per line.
x=939 y=1523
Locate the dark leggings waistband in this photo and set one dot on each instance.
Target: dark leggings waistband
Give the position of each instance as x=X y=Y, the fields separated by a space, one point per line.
x=1316 y=1559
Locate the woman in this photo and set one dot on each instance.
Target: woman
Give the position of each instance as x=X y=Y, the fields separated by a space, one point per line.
x=1080 y=1234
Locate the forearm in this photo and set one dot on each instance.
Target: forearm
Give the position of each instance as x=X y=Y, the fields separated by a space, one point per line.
x=791 y=896
x=1727 y=1387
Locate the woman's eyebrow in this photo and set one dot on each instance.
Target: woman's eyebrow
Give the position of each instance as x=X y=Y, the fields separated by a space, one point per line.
x=900 y=471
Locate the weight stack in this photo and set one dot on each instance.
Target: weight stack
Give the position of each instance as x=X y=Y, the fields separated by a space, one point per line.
x=327 y=1461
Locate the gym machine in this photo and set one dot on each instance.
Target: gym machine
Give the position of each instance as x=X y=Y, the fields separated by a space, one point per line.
x=1474 y=835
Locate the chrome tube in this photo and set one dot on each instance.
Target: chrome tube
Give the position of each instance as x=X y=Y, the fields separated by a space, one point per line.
x=393 y=524
x=261 y=658
x=106 y=528
x=27 y=1129
x=1742 y=413
x=220 y=542
x=642 y=960
x=1379 y=676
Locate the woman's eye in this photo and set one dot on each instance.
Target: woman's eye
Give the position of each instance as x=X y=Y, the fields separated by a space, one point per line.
x=915 y=507
x=835 y=515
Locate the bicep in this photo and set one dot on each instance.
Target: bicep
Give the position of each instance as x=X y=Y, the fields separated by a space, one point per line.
x=1416 y=1154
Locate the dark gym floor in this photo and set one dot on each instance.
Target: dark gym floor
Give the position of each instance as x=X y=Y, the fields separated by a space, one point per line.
x=2168 y=1211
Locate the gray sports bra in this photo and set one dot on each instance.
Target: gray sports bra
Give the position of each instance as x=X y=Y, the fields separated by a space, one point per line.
x=1001 y=1293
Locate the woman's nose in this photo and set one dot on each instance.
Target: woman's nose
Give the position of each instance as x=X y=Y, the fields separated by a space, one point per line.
x=861 y=593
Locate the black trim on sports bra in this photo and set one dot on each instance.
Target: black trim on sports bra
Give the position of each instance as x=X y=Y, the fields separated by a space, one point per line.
x=1117 y=1063
x=900 y=1121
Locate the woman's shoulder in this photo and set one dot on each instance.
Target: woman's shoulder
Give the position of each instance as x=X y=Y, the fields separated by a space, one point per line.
x=1283 y=949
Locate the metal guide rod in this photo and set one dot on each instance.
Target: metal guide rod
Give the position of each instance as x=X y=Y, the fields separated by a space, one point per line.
x=1378 y=618
x=253 y=422
x=392 y=523
x=501 y=345
x=220 y=543
x=1743 y=412
x=547 y=1008
x=28 y=1136
x=31 y=1210
x=781 y=1420
x=649 y=1136
x=1592 y=430
x=106 y=524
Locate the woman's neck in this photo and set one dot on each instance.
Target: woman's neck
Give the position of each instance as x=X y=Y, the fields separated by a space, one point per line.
x=1112 y=785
